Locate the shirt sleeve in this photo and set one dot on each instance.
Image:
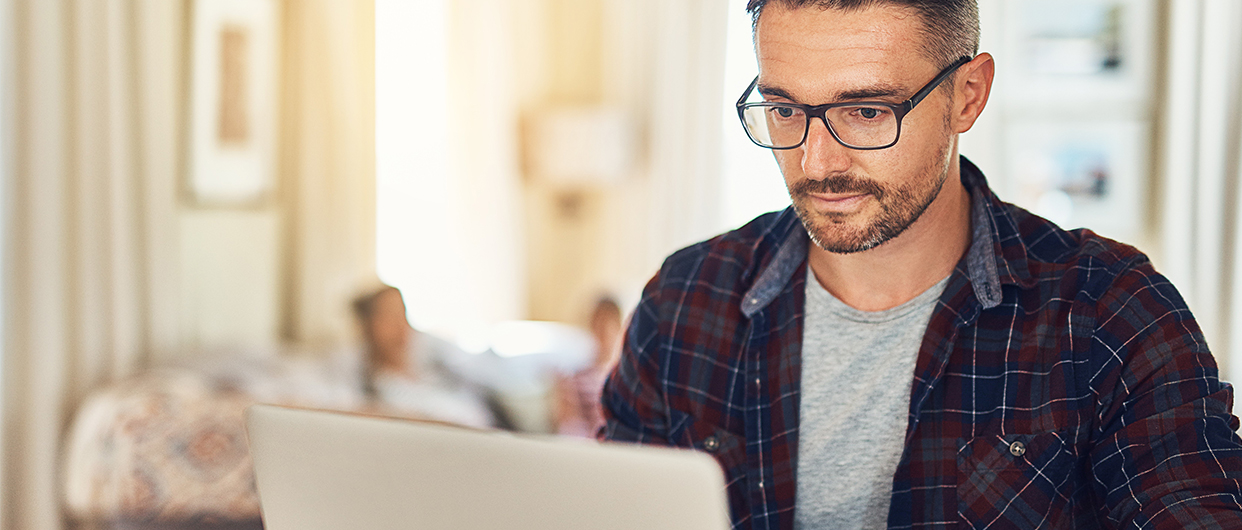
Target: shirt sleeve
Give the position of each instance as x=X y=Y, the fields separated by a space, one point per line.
x=1165 y=454
x=633 y=404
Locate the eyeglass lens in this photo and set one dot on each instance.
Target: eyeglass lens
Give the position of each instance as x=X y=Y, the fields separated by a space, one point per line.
x=781 y=126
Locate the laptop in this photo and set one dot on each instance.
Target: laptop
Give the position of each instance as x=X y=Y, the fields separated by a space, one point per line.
x=321 y=470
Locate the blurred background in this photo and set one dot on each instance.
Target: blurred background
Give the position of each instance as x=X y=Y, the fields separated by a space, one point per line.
x=196 y=193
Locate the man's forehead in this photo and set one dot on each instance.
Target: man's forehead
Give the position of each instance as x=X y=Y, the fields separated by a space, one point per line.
x=797 y=46
x=820 y=27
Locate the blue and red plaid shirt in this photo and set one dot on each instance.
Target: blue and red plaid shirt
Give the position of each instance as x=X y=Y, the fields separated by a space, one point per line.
x=1061 y=382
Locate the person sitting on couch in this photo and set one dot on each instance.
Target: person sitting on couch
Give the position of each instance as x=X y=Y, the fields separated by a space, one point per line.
x=409 y=371
x=578 y=409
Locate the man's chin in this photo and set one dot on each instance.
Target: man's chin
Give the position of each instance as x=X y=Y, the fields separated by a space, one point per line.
x=842 y=238
x=848 y=247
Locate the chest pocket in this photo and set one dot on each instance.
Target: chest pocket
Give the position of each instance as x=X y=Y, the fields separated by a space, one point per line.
x=1015 y=481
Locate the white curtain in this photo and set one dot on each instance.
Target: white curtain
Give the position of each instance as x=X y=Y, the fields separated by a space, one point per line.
x=91 y=130
x=327 y=165
x=665 y=63
x=94 y=286
x=1201 y=142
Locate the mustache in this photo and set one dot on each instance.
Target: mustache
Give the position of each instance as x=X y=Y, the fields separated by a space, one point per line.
x=843 y=183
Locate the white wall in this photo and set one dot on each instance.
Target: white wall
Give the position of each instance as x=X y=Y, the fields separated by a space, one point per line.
x=230 y=272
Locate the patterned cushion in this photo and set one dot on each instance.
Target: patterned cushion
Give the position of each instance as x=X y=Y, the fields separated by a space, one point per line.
x=165 y=445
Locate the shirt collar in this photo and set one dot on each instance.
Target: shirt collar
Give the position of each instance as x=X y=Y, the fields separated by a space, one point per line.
x=986 y=265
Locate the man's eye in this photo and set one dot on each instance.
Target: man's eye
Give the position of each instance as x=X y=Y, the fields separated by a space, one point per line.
x=869 y=113
x=784 y=112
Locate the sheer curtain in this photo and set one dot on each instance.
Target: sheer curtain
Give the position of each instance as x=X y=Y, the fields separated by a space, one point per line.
x=328 y=165
x=92 y=90
x=666 y=65
x=93 y=277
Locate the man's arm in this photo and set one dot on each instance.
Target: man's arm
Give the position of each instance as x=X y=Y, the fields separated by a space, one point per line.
x=1165 y=452
x=634 y=406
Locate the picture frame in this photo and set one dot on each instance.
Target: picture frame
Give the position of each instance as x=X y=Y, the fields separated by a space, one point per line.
x=1088 y=173
x=1088 y=53
x=232 y=116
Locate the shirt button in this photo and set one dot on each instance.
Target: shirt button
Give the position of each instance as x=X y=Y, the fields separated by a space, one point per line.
x=1017 y=449
x=760 y=484
x=711 y=444
x=758 y=382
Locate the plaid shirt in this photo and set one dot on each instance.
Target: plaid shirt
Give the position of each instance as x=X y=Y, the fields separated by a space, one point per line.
x=1061 y=382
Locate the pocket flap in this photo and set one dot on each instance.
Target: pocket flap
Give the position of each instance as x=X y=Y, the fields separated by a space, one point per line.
x=1016 y=480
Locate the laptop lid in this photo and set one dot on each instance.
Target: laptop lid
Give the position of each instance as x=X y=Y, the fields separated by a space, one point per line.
x=321 y=470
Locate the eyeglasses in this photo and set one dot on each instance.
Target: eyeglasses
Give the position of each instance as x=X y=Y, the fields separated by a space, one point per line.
x=865 y=125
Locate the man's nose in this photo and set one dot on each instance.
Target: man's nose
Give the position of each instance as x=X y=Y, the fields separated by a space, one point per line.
x=822 y=154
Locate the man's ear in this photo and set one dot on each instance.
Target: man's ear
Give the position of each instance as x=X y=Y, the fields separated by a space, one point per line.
x=973 y=84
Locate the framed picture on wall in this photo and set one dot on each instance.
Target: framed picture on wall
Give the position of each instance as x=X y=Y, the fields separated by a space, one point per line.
x=1079 y=51
x=232 y=103
x=1089 y=174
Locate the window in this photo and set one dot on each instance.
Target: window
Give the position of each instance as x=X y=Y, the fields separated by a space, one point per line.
x=412 y=165
x=752 y=182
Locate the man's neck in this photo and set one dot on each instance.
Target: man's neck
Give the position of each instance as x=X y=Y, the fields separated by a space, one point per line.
x=907 y=265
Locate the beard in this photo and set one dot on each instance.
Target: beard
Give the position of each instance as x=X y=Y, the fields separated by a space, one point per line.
x=900 y=207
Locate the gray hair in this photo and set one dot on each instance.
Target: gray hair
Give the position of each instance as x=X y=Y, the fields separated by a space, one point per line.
x=950 y=27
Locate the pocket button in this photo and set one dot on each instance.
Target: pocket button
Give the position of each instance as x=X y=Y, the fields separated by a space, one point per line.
x=711 y=444
x=1017 y=449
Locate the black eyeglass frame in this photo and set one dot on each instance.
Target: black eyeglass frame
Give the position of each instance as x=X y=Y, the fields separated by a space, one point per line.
x=820 y=111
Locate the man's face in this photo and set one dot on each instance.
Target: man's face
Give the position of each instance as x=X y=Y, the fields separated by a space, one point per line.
x=851 y=200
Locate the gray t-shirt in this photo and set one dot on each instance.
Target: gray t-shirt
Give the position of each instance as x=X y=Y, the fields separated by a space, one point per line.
x=857 y=368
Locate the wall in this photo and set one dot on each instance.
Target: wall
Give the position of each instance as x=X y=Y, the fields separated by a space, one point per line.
x=229 y=294
x=565 y=55
x=285 y=272
x=214 y=273
x=661 y=63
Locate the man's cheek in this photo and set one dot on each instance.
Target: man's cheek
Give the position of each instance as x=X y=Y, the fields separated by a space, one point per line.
x=790 y=164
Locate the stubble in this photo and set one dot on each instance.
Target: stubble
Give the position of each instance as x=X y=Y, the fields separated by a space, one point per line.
x=900 y=206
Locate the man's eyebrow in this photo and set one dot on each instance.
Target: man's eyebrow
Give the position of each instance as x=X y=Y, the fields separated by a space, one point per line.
x=879 y=90
x=766 y=90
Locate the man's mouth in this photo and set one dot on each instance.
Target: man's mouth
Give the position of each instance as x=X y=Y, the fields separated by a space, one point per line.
x=837 y=202
x=839 y=187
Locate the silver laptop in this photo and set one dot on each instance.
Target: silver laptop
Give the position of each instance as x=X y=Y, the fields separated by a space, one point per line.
x=320 y=470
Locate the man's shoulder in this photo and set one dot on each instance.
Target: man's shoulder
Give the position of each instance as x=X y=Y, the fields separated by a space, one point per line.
x=737 y=254
x=1048 y=252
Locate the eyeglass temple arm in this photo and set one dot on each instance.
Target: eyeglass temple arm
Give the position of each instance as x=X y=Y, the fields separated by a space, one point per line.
x=746 y=94
x=915 y=99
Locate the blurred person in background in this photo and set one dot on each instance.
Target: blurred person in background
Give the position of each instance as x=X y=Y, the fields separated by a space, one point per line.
x=902 y=349
x=578 y=411
x=410 y=372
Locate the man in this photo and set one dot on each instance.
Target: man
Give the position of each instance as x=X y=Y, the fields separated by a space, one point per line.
x=901 y=349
